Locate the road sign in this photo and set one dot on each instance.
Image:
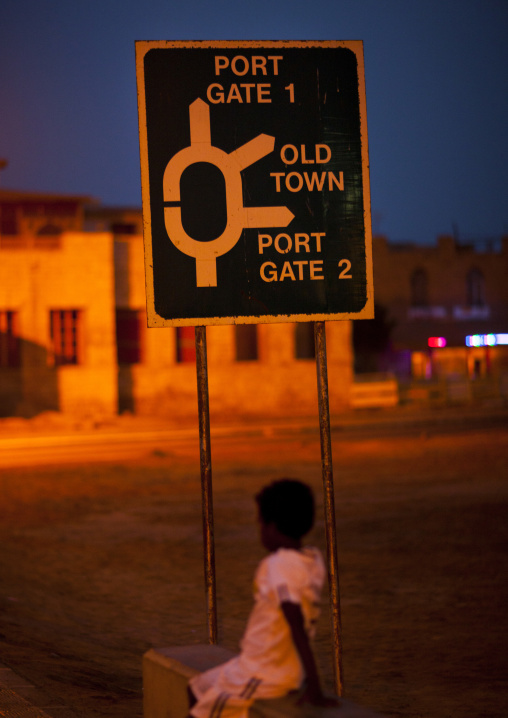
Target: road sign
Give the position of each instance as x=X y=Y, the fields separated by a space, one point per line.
x=254 y=170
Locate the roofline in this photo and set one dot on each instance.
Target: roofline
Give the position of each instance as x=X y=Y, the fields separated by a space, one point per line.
x=27 y=196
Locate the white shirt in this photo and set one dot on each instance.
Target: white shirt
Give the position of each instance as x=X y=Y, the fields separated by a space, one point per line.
x=267 y=649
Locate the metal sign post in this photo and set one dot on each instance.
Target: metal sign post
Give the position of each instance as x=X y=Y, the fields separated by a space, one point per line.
x=206 y=481
x=329 y=501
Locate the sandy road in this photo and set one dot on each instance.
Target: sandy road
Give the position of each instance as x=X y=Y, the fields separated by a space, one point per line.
x=132 y=442
x=101 y=560
x=79 y=448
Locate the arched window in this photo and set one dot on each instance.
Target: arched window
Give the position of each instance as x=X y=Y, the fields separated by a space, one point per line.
x=420 y=288
x=475 y=288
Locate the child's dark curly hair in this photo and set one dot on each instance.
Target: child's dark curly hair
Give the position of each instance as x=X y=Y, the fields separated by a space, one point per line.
x=289 y=504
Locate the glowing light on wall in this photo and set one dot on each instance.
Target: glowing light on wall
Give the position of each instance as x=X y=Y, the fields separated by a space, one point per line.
x=486 y=340
x=437 y=342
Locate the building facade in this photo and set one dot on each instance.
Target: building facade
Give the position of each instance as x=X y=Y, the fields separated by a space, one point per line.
x=433 y=298
x=73 y=335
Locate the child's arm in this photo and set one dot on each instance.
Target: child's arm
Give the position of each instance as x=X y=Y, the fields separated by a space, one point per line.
x=293 y=615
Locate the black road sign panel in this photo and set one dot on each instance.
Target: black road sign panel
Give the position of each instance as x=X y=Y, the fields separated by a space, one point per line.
x=254 y=168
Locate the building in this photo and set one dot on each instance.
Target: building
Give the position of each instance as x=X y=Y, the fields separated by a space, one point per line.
x=432 y=298
x=73 y=335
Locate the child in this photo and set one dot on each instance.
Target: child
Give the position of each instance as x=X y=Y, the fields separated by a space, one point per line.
x=275 y=656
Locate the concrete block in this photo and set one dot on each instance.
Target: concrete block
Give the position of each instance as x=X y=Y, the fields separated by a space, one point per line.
x=166 y=672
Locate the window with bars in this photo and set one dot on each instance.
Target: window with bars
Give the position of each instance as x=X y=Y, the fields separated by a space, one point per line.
x=128 y=336
x=9 y=340
x=65 y=334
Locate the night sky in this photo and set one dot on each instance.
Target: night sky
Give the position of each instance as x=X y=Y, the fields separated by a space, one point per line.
x=437 y=97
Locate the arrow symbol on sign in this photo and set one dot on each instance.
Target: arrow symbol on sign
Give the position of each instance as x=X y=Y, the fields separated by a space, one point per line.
x=267 y=216
x=238 y=216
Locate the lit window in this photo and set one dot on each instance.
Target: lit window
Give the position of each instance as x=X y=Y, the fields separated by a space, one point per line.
x=246 y=341
x=65 y=330
x=9 y=340
x=128 y=336
x=304 y=341
x=185 y=345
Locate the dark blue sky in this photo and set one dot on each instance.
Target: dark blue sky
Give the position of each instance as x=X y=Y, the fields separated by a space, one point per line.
x=437 y=97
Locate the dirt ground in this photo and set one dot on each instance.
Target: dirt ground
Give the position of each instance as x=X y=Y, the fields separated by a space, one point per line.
x=101 y=562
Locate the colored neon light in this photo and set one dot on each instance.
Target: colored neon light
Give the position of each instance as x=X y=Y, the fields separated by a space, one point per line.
x=437 y=342
x=486 y=340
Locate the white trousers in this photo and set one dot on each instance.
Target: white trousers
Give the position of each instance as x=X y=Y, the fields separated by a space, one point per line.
x=226 y=691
